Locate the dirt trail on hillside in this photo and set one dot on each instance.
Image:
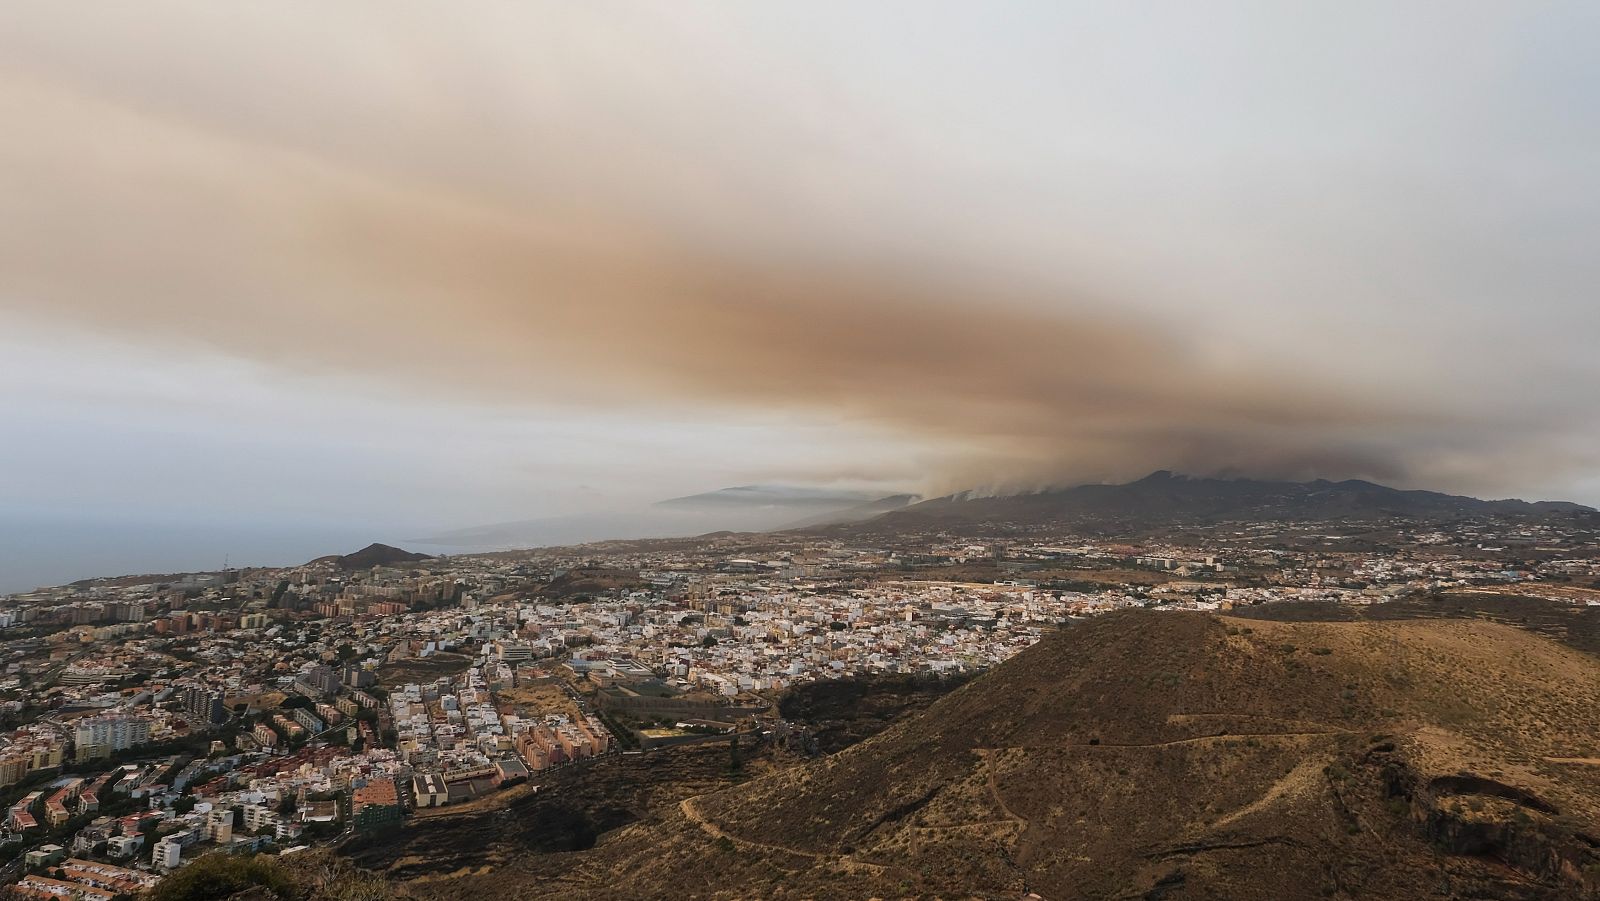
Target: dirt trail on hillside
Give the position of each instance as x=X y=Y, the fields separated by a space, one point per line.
x=717 y=832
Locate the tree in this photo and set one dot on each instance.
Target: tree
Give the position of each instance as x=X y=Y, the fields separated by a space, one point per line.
x=708 y=642
x=222 y=876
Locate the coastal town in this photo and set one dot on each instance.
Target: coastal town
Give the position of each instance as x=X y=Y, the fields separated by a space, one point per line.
x=152 y=720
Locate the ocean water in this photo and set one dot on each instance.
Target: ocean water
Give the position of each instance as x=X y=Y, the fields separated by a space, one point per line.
x=41 y=549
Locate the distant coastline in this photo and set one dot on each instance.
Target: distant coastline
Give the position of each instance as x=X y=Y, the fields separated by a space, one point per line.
x=38 y=551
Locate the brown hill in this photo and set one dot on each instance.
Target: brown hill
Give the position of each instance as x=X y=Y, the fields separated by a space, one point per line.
x=1165 y=755
x=372 y=555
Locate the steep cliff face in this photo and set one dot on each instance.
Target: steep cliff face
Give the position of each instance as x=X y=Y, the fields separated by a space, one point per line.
x=1475 y=816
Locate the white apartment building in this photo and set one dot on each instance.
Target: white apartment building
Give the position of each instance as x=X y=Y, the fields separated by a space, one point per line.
x=166 y=854
x=112 y=733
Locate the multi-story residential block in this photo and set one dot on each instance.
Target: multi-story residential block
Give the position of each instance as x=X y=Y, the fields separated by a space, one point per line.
x=166 y=854
x=375 y=805
x=104 y=734
x=205 y=706
x=264 y=735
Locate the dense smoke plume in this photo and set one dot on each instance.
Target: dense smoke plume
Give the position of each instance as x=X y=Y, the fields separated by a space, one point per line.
x=158 y=212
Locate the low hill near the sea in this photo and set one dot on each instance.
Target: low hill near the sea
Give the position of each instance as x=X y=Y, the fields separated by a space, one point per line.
x=372 y=555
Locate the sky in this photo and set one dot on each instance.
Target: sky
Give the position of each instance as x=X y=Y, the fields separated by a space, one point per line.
x=370 y=268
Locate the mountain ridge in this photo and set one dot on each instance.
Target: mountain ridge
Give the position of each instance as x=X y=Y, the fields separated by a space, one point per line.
x=1164 y=496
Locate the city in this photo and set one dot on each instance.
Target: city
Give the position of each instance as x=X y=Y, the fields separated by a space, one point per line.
x=717 y=451
x=152 y=720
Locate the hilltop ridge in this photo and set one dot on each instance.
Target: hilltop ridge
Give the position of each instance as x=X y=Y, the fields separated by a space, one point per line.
x=1168 y=756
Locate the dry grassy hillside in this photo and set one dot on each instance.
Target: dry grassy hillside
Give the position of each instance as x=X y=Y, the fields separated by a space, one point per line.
x=1168 y=756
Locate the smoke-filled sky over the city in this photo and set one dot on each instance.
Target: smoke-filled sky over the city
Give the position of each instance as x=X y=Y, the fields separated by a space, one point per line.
x=441 y=264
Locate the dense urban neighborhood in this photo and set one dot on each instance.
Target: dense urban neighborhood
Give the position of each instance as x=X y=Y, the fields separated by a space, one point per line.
x=153 y=720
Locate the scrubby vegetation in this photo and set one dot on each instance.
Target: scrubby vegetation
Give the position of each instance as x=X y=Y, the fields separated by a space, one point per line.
x=218 y=876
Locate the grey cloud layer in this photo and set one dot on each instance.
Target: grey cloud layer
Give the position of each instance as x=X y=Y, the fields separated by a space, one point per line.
x=167 y=215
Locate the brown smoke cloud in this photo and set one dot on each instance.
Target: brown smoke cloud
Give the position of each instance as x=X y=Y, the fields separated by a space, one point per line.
x=138 y=223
